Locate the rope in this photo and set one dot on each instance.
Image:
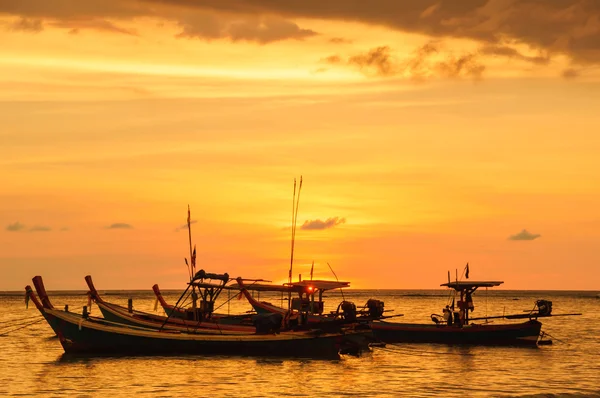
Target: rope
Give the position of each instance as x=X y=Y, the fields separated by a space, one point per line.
x=16 y=320
x=22 y=327
x=231 y=298
x=19 y=323
x=552 y=337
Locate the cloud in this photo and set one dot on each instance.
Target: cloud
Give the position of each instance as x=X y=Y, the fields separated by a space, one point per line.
x=340 y=40
x=318 y=224
x=556 y=26
x=27 y=25
x=377 y=60
x=570 y=73
x=524 y=235
x=40 y=228
x=120 y=225
x=196 y=22
x=185 y=226
x=569 y=27
x=509 y=52
x=427 y=61
x=260 y=30
x=76 y=26
x=15 y=227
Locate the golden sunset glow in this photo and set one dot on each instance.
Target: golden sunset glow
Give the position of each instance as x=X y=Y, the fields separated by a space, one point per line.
x=423 y=146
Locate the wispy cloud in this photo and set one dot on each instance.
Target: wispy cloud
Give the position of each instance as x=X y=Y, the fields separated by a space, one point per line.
x=15 y=227
x=185 y=226
x=40 y=228
x=120 y=225
x=27 y=25
x=319 y=224
x=524 y=235
x=426 y=61
x=570 y=73
x=261 y=30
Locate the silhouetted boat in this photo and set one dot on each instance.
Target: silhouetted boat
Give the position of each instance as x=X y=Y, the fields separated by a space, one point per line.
x=84 y=334
x=127 y=315
x=458 y=332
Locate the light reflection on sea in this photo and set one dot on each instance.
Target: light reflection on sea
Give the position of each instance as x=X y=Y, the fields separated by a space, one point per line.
x=32 y=360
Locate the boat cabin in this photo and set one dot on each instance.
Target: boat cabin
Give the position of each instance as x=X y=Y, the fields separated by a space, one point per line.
x=466 y=290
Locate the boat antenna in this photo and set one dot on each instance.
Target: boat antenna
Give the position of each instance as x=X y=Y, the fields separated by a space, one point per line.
x=189 y=222
x=336 y=278
x=311 y=269
x=295 y=203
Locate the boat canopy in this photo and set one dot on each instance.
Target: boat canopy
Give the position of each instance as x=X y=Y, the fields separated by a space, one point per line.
x=302 y=286
x=468 y=285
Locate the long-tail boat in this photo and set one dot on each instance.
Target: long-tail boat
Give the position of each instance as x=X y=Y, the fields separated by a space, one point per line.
x=459 y=330
x=88 y=335
x=127 y=315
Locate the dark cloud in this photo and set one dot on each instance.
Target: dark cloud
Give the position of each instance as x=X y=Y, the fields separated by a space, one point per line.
x=319 y=224
x=555 y=26
x=15 y=227
x=76 y=26
x=340 y=40
x=420 y=65
x=570 y=73
x=509 y=52
x=27 y=25
x=561 y=26
x=376 y=60
x=109 y=15
x=120 y=225
x=40 y=228
x=524 y=235
x=464 y=65
x=261 y=30
x=185 y=226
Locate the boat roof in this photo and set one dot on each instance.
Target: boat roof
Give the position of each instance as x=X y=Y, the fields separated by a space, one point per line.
x=321 y=285
x=463 y=285
x=301 y=286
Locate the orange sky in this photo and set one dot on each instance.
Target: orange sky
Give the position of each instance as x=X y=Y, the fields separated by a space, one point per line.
x=433 y=130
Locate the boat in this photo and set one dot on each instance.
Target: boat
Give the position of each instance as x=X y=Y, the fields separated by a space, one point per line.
x=242 y=324
x=457 y=328
x=460 y=331
x=83 y=334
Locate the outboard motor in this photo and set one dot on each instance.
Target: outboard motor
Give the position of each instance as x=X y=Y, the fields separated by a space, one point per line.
x=375 y=308
x=544 y=307
x=348 y=310
x=267 y=323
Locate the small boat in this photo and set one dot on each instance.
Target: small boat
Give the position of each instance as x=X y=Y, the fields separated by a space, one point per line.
x=460 y=331
x=242 y=324
x=83 y=334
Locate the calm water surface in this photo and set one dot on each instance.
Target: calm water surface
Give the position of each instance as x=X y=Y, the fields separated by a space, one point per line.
x=32 y=360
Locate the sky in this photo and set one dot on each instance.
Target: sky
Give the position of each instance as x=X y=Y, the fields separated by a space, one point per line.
x=428 y=133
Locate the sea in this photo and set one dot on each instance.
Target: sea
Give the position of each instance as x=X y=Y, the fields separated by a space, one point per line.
x=32 y=362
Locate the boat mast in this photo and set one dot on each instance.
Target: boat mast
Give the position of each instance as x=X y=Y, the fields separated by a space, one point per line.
x=295 y=203
x=192 y=261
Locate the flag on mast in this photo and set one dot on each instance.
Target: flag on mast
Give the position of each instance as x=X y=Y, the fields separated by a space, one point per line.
x=311 y=269
x=467 y=272
x=194 y=259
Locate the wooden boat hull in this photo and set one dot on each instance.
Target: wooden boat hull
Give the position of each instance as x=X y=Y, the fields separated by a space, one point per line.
x=80 y=336
x=94 y=336
x=218 y=324
x=118 y=314
x=525 y=333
